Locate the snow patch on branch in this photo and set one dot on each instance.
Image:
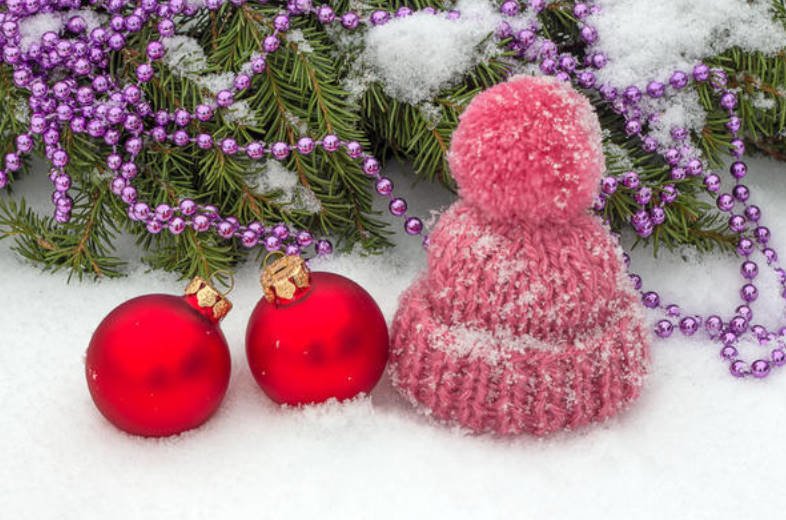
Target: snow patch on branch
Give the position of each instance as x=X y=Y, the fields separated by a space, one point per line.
x=648 y=40
x=417 y=56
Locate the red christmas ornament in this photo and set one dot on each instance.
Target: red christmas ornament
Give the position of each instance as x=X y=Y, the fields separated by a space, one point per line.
x=159 y=364
x=314 y=336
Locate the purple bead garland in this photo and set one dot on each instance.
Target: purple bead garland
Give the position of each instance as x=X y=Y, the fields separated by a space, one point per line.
x=89 y=101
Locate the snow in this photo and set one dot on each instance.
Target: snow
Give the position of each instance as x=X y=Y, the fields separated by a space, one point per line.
x=273 y=177
x=417 y=56
x=32 y=28
x=647 y=40
x=698 y=444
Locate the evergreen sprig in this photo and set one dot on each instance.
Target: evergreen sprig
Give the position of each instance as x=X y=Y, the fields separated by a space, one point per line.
x=303 y=92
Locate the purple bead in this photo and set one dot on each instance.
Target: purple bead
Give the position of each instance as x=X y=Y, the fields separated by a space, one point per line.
x=689 y=326
x=157 y=133
x=749 y=292
x=745 y=247
x=62 y=183
x=225 y=229
x=656 y=89
x=201 y=223
x=398 y=207
x=384 y=186
x=760 y=332
x=255 y=150
x=664 y=329
x=669 y=194
x=762 y=234
x=712 y=182
x=164 y=212
x=350 y=20
x=166 y=28
x=280 y=231
x=673 y=310
x=729 y=352
x=24 y=143
x=694 y=167
x=744 y=311
x=204 y=113
x=304 y=238
x=182 y=117
x=608 y=92
x=678 y=80
x=630 y=180
x=326 y=15
x=649 y=144
x=738 y=169
x=678 y=173
x=371 y=166
x=305 y=145
x=599 y=60
x=672 y=156
x=738 y=369
x=413 y=226
x=725 y=202
x=548 y=66
x=636 y=280
x=229 y=146
x=225 y=98
x=144 y=72
x=737 y=148
x=753 y=213
x=509 y=8
x=128 y=195
x=741 y=192
x=657 y=215
x=331 y=143
x=242 y=82
x=713 y=324
x=728 y=338
x=738 y=325
x=280 y=150
x=281 y=22
x=650 y=299
x=589 y=34
x=354 y=150
x=749 y=270
x=117 y=185
x=778 y=357
x=770 y=255
x=728 y=101
x=204 y=141
x=181 y=138
x=587 y=79
x=734 y=124
x=324 y=247
x=701 y=72
x=737 y=223
x=609 y=185
x=643 y=196
x=379 y=17
x=187 y=207
x=177 y=225
x=760 y=368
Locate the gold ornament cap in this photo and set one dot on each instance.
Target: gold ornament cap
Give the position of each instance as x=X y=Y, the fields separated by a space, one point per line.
x=284 y=277
x=208 y=298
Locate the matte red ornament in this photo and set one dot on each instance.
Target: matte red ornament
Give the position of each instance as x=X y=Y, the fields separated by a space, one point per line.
x=158 y=364
x=315 y=336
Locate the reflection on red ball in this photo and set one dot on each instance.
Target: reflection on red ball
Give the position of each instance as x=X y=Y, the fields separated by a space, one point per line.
x=329 y=342
x=157 y=366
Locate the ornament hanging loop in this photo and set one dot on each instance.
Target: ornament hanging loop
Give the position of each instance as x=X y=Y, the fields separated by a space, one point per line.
x=284 y=277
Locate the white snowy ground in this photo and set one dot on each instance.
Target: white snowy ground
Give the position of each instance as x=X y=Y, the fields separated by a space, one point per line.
x=698 y=444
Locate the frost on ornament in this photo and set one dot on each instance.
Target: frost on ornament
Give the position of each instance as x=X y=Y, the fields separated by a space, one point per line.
x=647 y=40
x=273 y=178
x=417 y=56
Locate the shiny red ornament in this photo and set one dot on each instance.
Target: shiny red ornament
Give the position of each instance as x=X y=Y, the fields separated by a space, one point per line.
x=315 y=336
x=158 y=364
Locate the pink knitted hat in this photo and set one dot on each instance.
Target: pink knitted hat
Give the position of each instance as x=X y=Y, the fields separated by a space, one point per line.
x=525 y=320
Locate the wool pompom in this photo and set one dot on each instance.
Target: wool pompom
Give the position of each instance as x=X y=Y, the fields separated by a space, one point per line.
x=528 y=148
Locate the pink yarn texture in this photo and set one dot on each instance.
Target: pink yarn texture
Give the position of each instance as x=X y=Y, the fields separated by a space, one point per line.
x=525 y=320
